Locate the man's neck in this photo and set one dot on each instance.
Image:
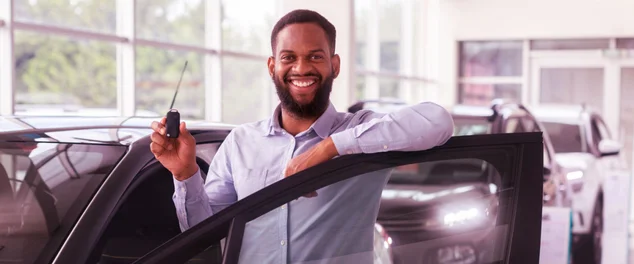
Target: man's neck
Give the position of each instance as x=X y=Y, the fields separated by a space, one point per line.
x=294 y=125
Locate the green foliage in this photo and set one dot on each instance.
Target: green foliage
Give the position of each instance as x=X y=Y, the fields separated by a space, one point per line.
x=53 y=69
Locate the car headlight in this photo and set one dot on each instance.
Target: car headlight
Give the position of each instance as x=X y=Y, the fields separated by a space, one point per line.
x=461 y=216
x=574 y=175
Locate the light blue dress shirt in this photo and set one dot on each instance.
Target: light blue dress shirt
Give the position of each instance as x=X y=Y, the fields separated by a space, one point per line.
x=337 y=225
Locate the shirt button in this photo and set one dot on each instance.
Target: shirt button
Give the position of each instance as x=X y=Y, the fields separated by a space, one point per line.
x=283 y=242
x=283 y=206
x=384 y=146
x=349 y=151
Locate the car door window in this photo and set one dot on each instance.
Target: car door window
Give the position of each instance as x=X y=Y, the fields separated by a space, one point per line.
x=147 y=217
x=42 y=185
x=596 y=133
x=602 y=128
x=458 y=204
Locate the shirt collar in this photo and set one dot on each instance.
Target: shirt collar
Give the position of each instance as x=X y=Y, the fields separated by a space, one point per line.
x=322 y=125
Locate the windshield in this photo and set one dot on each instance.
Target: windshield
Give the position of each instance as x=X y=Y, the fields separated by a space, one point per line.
x=466 y=126
x=457 y=171
x=45 y=184
x=565 y=138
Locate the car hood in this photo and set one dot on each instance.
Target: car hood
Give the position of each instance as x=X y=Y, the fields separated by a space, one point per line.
x=575 y=160
x=398 y=199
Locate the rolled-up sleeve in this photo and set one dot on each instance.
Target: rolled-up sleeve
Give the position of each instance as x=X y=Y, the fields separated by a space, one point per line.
x=418 y=127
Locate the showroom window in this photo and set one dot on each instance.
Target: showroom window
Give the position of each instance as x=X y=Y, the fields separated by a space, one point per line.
x=489 y=70
x=110 y=58
x=388 y=55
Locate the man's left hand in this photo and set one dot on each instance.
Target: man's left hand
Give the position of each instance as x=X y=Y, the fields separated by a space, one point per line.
x=323 y=151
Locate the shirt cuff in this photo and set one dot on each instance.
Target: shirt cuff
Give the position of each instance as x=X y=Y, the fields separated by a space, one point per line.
x=189 y=188
x=346 y=142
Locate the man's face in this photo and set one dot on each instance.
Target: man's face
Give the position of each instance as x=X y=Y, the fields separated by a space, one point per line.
x=303 y=69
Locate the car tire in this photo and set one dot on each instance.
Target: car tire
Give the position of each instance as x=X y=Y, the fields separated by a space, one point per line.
x=590 y=248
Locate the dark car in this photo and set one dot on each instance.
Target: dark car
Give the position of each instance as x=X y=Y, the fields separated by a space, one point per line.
x=475 y=181
x=88 y=190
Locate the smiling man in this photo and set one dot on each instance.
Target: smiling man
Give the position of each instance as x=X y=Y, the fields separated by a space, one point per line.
x=334 y=224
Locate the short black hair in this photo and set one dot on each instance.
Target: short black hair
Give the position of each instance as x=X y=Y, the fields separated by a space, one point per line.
x=305 y=16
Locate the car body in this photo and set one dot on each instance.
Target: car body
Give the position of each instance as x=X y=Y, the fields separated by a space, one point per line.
x=88 y=190
x=587 y=151
x=501 y=117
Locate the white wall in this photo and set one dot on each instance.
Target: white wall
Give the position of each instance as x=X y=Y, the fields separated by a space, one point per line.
x=523 y=19
x=340 y=14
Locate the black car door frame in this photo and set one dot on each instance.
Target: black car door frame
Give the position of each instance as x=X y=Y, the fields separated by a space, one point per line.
x=522 y=158
x=109 y=197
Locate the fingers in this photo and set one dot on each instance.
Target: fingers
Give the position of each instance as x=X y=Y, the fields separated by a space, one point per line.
x=157 y=149
x=159 y=127
x=311 y=195
x=161 y=141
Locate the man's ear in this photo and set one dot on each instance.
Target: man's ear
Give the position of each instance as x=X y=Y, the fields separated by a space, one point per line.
x=336 y=63
x=271 y=65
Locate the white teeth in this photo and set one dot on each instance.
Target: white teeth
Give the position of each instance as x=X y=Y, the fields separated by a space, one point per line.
x=303 y=83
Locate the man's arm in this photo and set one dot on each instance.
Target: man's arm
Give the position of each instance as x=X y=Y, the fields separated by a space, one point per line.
x=195 y=201
x=418 y=127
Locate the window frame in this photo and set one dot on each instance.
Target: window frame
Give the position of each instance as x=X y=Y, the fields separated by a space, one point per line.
x=523 y=152
x=127 y=175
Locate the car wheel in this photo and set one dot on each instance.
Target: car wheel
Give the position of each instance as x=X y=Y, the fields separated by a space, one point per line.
x=590 y=249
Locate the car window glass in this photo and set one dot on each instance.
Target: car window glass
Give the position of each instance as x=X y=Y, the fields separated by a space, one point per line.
x=147 y=218
x=513 y=125
x=564 y=137
x=471 y=126
x=546 y=157
x=40 y=184
x=596 y=134
x=447 y=211
x=603 y=129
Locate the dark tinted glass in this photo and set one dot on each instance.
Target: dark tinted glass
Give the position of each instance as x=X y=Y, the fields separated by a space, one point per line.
x=41 y=185
x=565 y=137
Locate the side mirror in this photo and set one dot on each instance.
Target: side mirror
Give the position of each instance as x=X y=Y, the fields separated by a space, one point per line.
x=609 y=147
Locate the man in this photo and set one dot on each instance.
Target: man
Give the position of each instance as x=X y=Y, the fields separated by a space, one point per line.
x=333 y=224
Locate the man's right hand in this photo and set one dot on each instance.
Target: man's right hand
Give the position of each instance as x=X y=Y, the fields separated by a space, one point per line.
x=178 y=155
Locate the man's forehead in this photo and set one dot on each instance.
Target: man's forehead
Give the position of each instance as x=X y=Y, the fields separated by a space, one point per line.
x=302 y=36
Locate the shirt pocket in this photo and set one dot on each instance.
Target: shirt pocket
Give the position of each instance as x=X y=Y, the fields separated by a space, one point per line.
x=248 y=181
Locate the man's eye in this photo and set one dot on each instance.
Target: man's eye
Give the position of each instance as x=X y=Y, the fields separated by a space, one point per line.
x=317 y=57
x=287 y=57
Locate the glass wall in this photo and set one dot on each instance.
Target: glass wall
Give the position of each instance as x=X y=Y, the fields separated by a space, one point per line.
x=389 y=44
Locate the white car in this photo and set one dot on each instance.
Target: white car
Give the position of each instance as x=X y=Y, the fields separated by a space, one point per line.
x=586 y=150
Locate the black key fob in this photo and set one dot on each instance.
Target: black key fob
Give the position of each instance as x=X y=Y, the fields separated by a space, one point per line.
x=172 y=123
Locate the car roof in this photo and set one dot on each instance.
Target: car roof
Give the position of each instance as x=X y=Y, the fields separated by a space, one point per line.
x=561 y=113
x=92 y=130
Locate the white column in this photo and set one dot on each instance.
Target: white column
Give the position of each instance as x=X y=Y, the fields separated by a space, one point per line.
x=126 y=58
x=7 y=69
x=373 y=50
x=611 y=97
x=446 y=67
x=407 y=50
x=339 y=13
x=213 y=62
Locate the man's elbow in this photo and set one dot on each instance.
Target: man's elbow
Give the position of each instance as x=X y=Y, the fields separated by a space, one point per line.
x=440 y=125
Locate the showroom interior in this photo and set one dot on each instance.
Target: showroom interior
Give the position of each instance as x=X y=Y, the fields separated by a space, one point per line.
x=124 y=58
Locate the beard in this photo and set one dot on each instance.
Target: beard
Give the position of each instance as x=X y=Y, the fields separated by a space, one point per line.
x=310 y=110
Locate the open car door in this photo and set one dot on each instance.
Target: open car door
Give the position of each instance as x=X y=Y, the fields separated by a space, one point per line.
x=476 y=199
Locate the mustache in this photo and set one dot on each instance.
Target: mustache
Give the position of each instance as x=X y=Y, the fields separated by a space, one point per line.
x=302 y=75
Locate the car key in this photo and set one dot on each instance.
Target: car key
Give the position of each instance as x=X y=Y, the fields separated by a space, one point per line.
x=173 y=117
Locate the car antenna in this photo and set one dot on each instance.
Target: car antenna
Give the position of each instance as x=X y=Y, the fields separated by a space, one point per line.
x=173 y=118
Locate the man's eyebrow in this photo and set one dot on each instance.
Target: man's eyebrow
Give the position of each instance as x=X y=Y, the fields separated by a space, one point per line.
x=317 y=50
x=286 y=51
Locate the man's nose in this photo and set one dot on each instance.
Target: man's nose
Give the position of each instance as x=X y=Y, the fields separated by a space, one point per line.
x=302 y=67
